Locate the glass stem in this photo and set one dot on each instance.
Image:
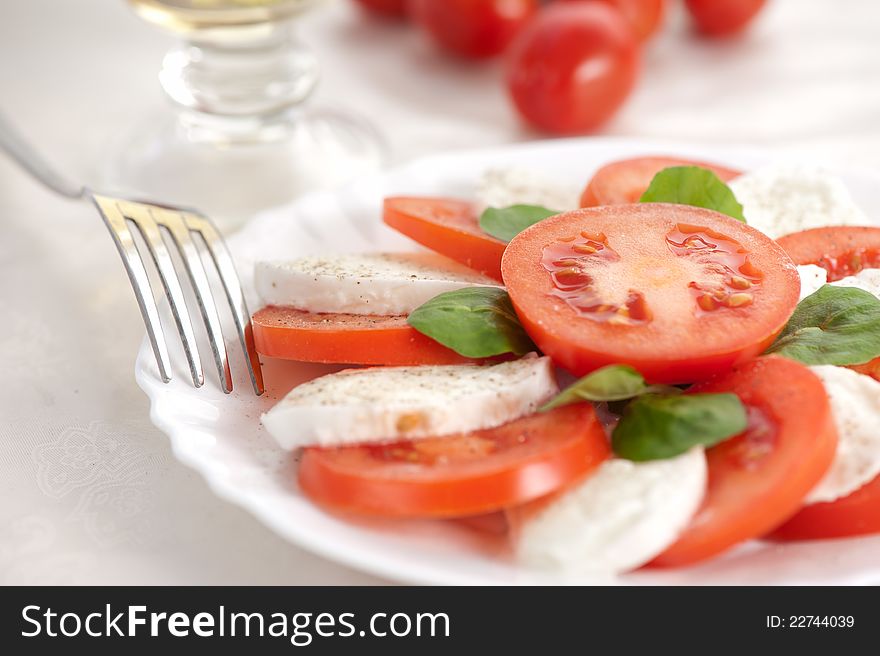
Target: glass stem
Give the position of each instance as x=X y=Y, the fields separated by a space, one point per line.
x=239 y=86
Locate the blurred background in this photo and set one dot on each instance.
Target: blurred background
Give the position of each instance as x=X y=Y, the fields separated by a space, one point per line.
x=801 y=73
x=81 y=79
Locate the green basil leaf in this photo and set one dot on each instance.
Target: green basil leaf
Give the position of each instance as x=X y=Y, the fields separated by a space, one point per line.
x=693 y=185
x=655 y=427
x=476 y=322
x=507 y=222
x=615 y=382
x=834 y=325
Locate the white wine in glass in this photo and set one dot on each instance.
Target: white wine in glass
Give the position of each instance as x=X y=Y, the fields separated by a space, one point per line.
x=242 y=138
x=189 y=15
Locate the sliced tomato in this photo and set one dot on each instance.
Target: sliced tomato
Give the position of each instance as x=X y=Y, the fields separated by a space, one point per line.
x=759 y=479
x=291 y=334
x=625 y=181
x=855 y=514
x=458 y=475
x=494 y=523
x=842 y=250
x=678 y=292
x=449 y=227
x=871 y=368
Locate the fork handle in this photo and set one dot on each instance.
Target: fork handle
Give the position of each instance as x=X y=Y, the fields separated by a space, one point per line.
x=31 y=161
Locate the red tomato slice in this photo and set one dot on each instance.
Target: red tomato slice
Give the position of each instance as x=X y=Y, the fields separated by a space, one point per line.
x=871 y=368
x=842 y=251
x=678 y=292
x=450 y=227
x=291 y=334
x=759 y=479
x=856 y=514
x=458 y=475
x=625 y=181
x=494 y=523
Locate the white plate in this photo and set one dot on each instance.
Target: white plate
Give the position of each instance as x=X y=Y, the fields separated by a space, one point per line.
x=221 y=437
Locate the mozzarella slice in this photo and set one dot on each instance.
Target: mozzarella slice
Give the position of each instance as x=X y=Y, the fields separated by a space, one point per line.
x=866 y=279
x=377 y=283
x=502 y=187
x=812 y=279
x=786 y=198
x=855 y=402
x=384 y=404
x=617 y=519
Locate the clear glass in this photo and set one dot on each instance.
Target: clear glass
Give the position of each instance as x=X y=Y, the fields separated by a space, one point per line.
x=242 y=138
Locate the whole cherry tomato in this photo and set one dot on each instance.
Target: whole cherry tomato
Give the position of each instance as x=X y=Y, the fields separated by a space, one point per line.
x=723 y=17
x=388 y=8
x=473 y=28
x=645 y=16
x=572 y=66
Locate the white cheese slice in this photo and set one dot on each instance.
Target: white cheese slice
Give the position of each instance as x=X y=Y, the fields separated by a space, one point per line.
x=619 y=518
x=866 y=279
x=382 y=404
x=855 y=403
x=812 y=279
x=372 y=283
x=502 y=187
x=785 y=198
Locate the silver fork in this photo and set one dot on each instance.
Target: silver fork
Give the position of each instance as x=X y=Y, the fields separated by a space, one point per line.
x=150 y=219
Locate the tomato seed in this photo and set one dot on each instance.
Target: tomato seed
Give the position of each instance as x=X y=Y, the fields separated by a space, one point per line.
x=739 y=300
x=572 y=277
x=707 y=303
x=750 y=270
x=738 y=282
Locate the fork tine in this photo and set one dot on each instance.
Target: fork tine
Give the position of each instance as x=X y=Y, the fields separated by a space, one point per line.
x=180 y=232
x=140 y=282
x=226 y=268
x=149 y=229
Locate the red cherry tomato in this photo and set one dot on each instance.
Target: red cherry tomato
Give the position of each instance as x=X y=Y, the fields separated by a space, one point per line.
x=389 y=8
x=644 y=16
x=572 y=67
x=472 y=28
x=723 y=17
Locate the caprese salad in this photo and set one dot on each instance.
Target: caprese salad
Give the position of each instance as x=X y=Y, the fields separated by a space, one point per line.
x=687 y=361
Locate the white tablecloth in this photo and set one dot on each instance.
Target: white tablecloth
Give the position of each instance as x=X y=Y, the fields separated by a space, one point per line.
x=89 y=492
